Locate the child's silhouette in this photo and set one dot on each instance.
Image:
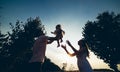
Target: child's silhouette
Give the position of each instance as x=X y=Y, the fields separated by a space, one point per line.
x=59 y=34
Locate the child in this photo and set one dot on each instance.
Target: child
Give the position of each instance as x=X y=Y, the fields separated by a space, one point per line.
x=59 y=34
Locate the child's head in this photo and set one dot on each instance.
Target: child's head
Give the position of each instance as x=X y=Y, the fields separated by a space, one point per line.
x=58 y=26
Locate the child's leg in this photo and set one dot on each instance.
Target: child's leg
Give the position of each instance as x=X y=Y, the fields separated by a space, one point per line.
x=61 y=40
x=58 y=43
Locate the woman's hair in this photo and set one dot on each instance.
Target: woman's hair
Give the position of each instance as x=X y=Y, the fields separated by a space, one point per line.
x=83 y=44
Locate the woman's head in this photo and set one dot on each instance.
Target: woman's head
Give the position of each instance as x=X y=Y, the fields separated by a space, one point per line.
x=82 y=43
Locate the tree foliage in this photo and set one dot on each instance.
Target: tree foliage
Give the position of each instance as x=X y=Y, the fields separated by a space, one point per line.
x=103 y=37
x=3 y=38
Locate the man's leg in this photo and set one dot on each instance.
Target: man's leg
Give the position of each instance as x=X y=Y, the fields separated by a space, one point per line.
x=35 y=67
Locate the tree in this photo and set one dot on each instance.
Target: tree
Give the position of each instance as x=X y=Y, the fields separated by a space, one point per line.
x=103 y=38
x=3 y=39
x=17 y=49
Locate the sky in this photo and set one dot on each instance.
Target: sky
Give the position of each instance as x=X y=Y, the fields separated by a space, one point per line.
x=71 y=14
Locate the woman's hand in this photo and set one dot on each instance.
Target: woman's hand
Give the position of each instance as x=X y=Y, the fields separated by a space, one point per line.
x=63 y=46
x=68 y=42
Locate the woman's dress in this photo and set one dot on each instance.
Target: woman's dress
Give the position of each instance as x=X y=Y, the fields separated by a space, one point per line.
x=83 y=63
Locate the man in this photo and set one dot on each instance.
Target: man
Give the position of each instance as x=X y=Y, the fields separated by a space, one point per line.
x=39 y=49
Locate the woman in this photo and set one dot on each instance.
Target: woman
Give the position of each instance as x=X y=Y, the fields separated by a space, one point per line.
x=81 y=55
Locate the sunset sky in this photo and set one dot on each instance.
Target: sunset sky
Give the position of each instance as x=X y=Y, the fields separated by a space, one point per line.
x=71 y=14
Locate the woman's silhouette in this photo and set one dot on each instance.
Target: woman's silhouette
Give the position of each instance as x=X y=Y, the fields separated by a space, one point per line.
x=81 y=55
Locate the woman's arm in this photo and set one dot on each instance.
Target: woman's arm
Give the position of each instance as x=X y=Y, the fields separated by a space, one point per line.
x=68 y=42
x=64 y=47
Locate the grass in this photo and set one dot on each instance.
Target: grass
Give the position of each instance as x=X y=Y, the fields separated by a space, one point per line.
x=95 y=70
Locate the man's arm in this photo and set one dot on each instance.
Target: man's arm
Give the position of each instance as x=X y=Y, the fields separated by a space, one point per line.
x=50 y=40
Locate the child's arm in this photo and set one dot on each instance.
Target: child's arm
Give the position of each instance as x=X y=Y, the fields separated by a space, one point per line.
x=54 y=32
x=63 y=32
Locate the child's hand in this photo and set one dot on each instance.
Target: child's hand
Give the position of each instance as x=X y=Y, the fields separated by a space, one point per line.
x=52 y=32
